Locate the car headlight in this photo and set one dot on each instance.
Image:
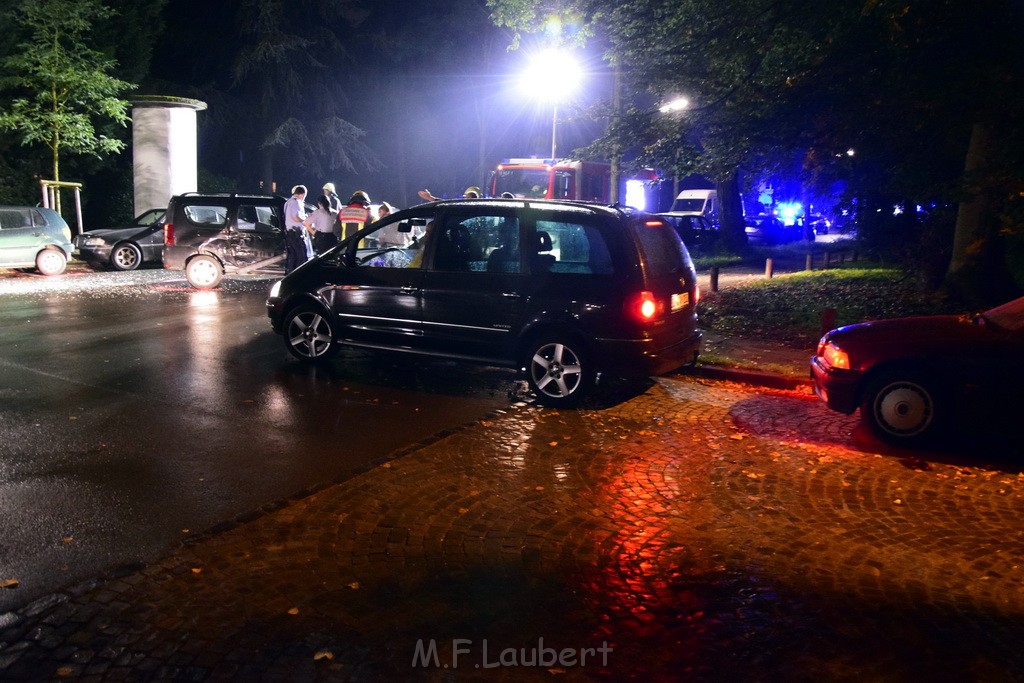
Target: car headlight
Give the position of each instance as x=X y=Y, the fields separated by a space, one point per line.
x=833 y=356
x=275 y=291
x=92 y=242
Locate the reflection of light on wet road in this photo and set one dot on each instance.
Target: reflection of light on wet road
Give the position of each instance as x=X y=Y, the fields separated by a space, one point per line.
x=206 y=346
x=278 y=405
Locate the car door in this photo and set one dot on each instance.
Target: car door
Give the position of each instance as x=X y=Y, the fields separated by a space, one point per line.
x=257 y=235
x=21 y=235
x=471 y=300
x=374 y=288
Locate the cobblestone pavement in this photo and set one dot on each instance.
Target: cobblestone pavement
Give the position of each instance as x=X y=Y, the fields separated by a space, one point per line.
x=695 y=530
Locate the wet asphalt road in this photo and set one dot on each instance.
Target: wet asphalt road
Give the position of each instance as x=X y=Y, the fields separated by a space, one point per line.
x=135 y=411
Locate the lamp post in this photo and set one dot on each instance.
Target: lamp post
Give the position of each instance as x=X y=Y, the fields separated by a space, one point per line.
x=552 y=76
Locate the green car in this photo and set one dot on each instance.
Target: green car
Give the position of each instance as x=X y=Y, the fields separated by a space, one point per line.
x=34 y=237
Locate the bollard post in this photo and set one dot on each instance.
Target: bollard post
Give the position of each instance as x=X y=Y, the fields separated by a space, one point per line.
x=809 y=262
x=828 y=319
x=828 y=259
x=714 y=278
x=768 y=268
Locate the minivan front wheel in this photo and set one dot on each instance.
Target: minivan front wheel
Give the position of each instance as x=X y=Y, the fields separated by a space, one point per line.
x=308 y=334
x=558 y=370
x=203 y=272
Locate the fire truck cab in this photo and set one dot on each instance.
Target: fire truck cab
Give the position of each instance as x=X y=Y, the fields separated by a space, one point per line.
x=565 y=179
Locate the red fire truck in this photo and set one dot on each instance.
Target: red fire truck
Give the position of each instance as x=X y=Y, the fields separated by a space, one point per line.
x=569 y=179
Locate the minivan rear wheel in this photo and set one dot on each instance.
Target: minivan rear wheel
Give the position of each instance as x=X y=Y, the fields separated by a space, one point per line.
x=308 y=334
x=203 y=272
x=558 y=370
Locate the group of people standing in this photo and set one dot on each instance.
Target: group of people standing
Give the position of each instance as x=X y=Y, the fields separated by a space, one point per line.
x=328 y=224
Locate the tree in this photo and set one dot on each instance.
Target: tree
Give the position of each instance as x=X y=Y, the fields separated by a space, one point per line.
x=296 y=121
x=61 y=86
x=914 y=86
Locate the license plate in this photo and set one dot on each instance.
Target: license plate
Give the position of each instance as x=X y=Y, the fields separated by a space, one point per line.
x=680 y=300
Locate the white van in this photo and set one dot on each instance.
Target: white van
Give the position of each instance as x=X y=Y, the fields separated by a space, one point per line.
x=697 y=203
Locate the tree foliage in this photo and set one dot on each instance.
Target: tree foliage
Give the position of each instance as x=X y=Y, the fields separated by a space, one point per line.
x=61 y=88
x=796 y=83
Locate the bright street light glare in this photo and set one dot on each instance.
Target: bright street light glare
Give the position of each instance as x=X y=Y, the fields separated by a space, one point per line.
x=552 y=76
x=678 y=104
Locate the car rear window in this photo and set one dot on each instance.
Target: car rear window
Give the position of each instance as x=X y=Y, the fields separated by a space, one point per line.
x=662 y=249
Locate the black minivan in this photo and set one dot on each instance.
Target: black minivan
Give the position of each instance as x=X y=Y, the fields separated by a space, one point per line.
x=209 y=235
x=562 y=290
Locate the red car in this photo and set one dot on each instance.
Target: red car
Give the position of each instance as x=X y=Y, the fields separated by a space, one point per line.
x=915 y=378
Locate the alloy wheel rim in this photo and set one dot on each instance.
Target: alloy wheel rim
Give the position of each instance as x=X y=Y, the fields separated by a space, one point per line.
x=556 y=370
x=126 y=257
x=310 y=335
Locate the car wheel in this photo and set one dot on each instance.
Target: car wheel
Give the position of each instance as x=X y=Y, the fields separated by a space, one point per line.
x=308 y=334
x=125 y=256
x=51 y=262
x=558 y=370
x=203 y=272
x=902 y=408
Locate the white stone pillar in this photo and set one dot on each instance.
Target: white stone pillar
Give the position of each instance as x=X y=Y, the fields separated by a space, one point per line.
x=164 y=149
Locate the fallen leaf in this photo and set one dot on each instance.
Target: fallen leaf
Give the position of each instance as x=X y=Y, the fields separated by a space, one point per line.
x=553 y=443
x=9 y=583
x=323 y=654
x=68 y=539
x=354 y=585
x=197 y=570
x=66 y=671
x=293 y=611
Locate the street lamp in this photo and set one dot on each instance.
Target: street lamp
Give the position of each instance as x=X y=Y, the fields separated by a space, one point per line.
x=678 y=104
x=674 y=107
x=552 y=76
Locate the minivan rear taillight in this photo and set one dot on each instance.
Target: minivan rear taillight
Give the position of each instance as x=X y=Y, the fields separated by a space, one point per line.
x=643 y=306
x=169 y=234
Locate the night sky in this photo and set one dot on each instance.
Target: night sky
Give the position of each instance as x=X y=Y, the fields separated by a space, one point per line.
x=452 y=106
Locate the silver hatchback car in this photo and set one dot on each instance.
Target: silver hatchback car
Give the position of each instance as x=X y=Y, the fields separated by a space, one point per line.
x=34 y=237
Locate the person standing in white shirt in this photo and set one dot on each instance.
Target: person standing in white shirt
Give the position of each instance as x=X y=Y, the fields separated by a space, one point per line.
x=294 y=242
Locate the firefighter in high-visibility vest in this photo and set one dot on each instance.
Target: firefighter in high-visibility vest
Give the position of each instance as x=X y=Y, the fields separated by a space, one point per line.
x=354 y=215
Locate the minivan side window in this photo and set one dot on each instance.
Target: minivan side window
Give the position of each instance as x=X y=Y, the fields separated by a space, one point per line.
x=394 y=244
x=262 y=219
x=569 y=247
x=214 y=216
x=478 y=243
